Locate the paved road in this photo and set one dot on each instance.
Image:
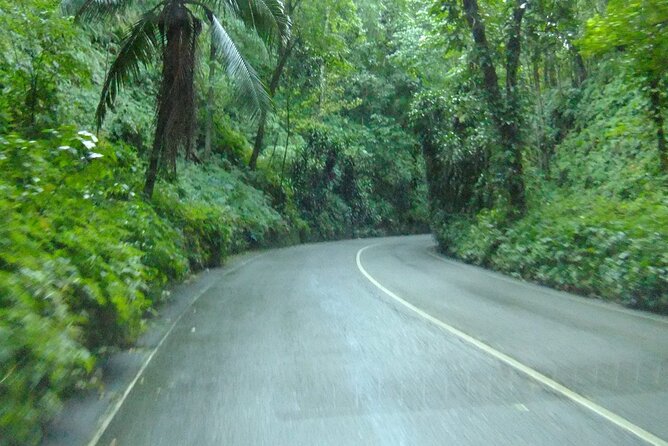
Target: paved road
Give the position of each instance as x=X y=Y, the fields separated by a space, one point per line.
x=299 y=347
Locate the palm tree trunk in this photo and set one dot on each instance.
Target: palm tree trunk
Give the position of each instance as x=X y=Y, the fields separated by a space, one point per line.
x=176 y=100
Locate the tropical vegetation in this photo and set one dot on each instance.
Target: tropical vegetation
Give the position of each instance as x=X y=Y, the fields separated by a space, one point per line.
x=144 y=140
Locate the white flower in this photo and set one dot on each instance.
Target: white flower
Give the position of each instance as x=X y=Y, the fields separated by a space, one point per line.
x=88 y=135
x=89 y=144
x=67 y=149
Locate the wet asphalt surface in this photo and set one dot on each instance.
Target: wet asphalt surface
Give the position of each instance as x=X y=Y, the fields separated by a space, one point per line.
x=297 y=347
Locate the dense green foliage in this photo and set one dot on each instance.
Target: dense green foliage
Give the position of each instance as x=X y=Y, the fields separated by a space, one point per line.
x=84 y=257
x=530 y=136
x=595 y=177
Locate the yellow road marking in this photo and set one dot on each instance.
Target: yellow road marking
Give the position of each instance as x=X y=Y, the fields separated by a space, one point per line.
x=612 y=417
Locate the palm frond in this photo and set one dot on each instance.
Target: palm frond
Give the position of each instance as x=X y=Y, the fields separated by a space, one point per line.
x=137 y=49
x=250 y=90
x=94 y=9
x=225 y=6
x=267 y=17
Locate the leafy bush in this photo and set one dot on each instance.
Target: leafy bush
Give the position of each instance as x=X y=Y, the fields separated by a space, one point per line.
x=345 y=187
x=231 y=144
x=32 y=66
x=601 y=226
x=473 y=240
x=612 y=149
x=66 y=185
x=71 y=278
x=41 y=355
x=217 y=212
x=611 y=249
x=83 y=258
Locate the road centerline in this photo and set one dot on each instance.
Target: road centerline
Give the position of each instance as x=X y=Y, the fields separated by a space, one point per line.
x=533 y=374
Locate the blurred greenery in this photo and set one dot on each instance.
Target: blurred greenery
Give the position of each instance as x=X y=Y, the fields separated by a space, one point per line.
x=85 y=259
x=539 y=152
x=596 y=221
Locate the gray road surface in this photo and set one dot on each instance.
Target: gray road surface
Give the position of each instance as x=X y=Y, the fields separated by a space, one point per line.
x=298 y=347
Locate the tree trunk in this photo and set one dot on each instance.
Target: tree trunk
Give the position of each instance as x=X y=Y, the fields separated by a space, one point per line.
x=515 y=177
x=208 y=131
x=284 y=54
x=544 y=151
x=322 y=88
x=580 y=71
x=535 y=71
x=175 y=121
x=259 y=138
x=659 y=122
x=153 y=167
x=513 y=49
x=273 y=151
x=287 y=134
x=323 y=71
x=490 y=78
x=505 y=113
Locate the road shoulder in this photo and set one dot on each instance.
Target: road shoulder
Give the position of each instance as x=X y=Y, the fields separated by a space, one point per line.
x=83 y=415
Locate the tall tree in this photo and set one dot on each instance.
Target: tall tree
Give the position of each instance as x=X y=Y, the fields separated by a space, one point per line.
x=169 y=31
x=505 y=110
x=312 y=41
x=284 y=51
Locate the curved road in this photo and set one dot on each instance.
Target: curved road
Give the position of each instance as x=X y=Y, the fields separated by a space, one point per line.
x=325 y=344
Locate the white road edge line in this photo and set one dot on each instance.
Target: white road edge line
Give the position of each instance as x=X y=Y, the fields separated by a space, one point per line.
x=110 y=414
x=528 y=284
x=612 y=417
